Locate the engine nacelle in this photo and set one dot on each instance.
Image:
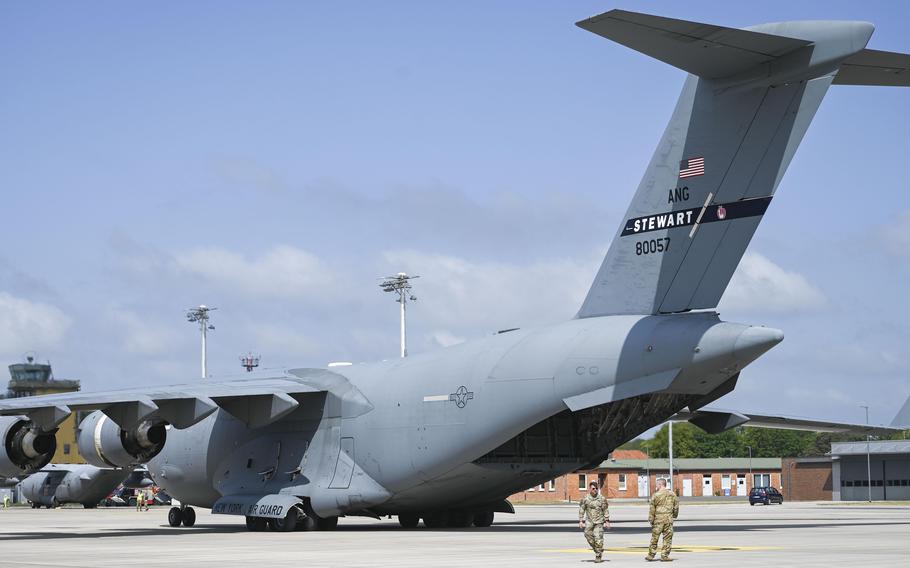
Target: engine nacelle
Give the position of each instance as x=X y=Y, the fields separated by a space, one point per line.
x=25 y=447
x=104 y=444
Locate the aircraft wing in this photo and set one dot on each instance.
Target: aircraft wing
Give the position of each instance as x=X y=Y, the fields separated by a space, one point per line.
x=256 y=401
x=715 y=421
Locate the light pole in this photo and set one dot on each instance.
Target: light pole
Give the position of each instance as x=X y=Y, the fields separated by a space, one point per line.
x=648 y=471
x=868 y=457
x=401 y=285
x=752 y=481
x=200 y=315
x=672 y=485
x=249 y=362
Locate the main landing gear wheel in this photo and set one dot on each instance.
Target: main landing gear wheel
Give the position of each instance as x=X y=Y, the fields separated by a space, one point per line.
x=288 y=523
x=408 y=521
x=256 y=524
x=460 y=519
x=436 y=520
x=175 y=517
x=483 y=519
x=326 y=524
x=189 y=517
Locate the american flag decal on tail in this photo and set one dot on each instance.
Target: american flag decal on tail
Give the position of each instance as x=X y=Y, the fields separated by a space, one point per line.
x=692 y=167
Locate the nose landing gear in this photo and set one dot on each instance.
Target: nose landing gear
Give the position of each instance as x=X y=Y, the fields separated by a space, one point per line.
x=181 y=515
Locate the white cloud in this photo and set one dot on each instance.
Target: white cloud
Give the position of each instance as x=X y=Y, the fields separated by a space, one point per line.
x=283 y=272
x=896 y=235
x=458 y=294
x=27 y=325
x=761 y=285
x=444 y=338
x=283 y=340
x=143 y=335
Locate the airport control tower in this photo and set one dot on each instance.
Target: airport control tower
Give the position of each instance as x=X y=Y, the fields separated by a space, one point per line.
x=30 y=379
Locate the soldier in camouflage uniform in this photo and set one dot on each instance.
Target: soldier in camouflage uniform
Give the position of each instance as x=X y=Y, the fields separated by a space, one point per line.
x=663 y=511
x=595 y=508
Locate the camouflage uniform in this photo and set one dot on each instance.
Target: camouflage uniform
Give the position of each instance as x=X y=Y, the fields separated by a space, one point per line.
x=664 y=509
x=597 y=511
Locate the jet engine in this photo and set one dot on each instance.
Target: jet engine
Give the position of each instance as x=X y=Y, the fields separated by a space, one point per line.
x=26 y=448
x=103 y=443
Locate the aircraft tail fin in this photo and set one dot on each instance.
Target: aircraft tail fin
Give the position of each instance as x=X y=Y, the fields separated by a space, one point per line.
x=902 y=419
x=740 y=117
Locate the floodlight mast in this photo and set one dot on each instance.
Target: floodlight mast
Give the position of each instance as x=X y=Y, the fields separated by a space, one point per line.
x=201 y=316
x=401 y=285
x=249 y=361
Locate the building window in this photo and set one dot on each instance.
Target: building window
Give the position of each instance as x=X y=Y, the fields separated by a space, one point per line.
x=582 y=481
x=542 y=487
x=552 y=485
x=66 y=449
x=622 y=481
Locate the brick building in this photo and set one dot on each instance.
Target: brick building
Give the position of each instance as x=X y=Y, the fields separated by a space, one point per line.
x=807 y=479
x=636 y=477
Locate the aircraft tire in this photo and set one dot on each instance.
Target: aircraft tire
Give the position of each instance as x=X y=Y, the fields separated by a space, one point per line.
x=89 y=505
x=483 y=518
x=460 y=519
x=189 y=517
x=175 y=517
x=288 y=523
x=408 y=521
x=326 y=524
x=438 y=520
x=256 y=524
x=306 y=523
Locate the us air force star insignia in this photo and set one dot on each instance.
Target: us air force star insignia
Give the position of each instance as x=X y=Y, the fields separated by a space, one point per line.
x=461 y=396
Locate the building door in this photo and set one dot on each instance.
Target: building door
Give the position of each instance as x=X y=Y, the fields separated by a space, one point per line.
x=707 y=489
x=725 y=485
x=687 y=487
x=643 y=485
x=741 y=485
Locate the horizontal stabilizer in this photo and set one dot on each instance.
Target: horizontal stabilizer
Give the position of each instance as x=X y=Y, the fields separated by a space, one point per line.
x=717 y=422
x=715 y=419
x=873 y=67
x=902 y=420
x=705 y=50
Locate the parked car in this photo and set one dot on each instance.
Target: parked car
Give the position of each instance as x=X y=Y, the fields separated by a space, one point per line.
x=765 y=496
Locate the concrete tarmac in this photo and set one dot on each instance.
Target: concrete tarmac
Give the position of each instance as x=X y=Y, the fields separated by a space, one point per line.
x=729 y=534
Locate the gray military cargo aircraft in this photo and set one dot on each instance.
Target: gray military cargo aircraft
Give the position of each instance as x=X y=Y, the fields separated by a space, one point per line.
x=71 y=483
x=447 y=436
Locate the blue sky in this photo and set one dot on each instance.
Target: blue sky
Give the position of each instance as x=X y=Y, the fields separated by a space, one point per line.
x=273 y=158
